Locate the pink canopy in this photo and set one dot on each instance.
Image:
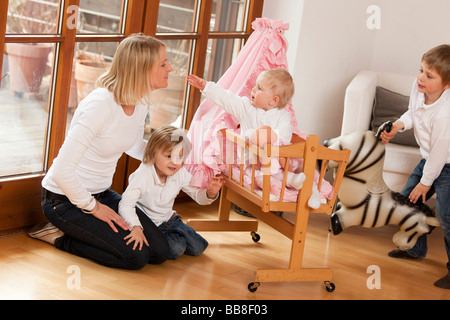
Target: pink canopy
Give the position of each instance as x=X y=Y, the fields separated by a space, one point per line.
x=265 y=49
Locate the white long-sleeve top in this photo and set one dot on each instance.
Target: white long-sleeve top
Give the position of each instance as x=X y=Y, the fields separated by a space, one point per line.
x=155 y=198
x=431 y=125
x=249 y=117
x=100 y=132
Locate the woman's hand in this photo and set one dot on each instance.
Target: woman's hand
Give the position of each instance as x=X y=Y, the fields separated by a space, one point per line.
x=136 y=235
x=109 y=216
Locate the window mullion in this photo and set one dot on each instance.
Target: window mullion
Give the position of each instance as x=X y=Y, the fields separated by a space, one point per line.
x=135 y=17
x=201 y=47
x=3 y=18
x=58 y=116
x=151 y=17
x=255 y=11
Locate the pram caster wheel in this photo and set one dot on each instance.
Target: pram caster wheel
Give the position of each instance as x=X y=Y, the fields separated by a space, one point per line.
x=252 y=286
x=255 y=236
x=329 y=286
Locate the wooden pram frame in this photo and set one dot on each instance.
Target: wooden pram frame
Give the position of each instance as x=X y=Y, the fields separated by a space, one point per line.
x=262 y=208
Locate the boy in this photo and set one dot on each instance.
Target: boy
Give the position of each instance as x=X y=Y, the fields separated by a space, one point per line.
x=429 y=114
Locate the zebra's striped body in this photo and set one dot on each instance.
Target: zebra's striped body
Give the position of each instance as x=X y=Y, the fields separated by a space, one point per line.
x=367 y=201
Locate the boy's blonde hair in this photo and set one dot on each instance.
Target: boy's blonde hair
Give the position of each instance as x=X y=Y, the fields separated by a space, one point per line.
x=282 y=84
x=165 y=138
x=438 y=59
x=129 y=76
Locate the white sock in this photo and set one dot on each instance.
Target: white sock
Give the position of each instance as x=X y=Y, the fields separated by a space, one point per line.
x=295 y=180
x=314 y=200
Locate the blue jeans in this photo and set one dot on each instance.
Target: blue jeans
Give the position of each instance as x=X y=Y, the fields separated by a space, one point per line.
x=182 y=238
x=86 y=236
x=441 y=186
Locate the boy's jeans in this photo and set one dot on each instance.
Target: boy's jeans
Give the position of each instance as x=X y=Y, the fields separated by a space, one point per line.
x=89 y=237
x=441 y=187
x=182 y=238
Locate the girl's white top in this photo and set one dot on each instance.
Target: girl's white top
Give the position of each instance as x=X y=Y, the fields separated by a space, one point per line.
x=100 y=132
x=146 y=191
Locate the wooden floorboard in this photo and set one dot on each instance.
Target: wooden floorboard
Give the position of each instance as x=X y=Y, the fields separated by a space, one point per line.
x=31 y=269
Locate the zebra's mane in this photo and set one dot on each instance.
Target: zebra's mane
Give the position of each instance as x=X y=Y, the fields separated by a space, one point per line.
x=421 y=206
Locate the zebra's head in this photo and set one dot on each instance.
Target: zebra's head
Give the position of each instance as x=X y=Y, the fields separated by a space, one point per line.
x=417 y=219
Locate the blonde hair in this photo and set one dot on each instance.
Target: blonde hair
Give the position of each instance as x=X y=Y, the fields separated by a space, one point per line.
x=438 y=59
x=165 y=138
x=281 y=83
x=129 y=76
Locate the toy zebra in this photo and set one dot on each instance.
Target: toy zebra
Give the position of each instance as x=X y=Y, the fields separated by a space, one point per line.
x=365 y=198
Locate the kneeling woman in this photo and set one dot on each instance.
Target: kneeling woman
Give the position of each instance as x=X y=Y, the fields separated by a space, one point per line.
x=110 y=121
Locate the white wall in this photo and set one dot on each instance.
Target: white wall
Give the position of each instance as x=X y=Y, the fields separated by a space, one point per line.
x=330 y=42
x=409 y=29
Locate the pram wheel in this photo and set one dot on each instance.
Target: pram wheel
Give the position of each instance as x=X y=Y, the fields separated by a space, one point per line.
x=329 y=286
x=252 y=286
x=255 y=236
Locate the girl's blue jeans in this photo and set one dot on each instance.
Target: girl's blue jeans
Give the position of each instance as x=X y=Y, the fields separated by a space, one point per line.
x=441 y=187
x=182 y=238
x=89 y=237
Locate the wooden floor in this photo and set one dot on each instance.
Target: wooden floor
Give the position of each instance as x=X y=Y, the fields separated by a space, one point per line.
x=31 y=269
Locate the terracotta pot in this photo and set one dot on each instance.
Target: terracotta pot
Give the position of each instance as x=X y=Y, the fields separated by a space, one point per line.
x=86 y=73
x=27 y=64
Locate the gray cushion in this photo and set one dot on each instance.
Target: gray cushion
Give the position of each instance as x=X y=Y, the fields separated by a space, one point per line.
x=389 y=106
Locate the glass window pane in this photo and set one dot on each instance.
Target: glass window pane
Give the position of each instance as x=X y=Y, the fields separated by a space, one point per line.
x=228 y=15
x=27 y=16
x=91 y=60
x=24 y=97
x=100 y=16
x=220 y=55
x=167 y=105
x=176 y=16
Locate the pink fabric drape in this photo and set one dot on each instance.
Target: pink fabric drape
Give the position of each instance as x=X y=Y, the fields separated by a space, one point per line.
x=265 y=49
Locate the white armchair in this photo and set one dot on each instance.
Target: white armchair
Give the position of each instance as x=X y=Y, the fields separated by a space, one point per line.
x=400 y=160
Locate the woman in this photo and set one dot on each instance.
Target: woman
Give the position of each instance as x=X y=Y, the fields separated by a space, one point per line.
x=76 y=198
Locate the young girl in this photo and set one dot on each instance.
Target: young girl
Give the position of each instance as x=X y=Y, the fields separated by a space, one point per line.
x=108 y=122
x=153 y=188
